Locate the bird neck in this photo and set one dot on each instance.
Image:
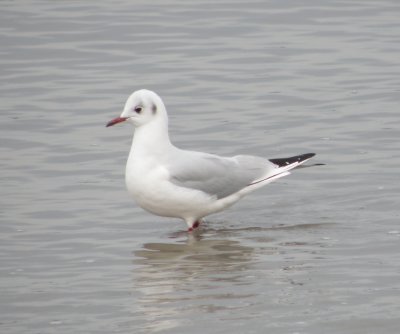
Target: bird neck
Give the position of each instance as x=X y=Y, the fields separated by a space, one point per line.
x=151 y=138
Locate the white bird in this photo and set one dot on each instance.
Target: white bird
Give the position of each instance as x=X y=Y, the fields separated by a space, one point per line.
x=171 y=182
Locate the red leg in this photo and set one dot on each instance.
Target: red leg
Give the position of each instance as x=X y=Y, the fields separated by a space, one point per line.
x=195 y=225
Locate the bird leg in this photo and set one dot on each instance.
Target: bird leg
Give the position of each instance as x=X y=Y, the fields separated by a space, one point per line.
x=195 y=225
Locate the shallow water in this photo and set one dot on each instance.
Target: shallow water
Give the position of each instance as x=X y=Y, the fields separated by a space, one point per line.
x=316 y=252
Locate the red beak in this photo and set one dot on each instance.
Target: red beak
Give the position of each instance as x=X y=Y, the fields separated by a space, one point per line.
x=116 y=120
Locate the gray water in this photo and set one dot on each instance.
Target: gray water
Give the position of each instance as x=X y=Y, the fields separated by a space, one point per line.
x=316 y=252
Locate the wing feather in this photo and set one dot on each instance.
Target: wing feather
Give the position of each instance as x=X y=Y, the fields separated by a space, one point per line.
x=217 y=176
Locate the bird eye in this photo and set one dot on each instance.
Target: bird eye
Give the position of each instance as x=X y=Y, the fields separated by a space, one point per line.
x=138 y=109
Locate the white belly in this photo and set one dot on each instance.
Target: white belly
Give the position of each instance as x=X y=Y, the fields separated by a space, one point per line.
x=152 y=190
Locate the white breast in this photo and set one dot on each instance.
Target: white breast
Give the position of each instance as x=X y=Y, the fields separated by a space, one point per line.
x=149 y=185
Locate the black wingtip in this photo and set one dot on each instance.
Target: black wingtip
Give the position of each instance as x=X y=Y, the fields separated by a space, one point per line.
x=306 y=156
x=287 y=161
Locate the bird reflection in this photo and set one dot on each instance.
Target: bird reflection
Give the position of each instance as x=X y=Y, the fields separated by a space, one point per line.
x=210 y=271
x=187 y=276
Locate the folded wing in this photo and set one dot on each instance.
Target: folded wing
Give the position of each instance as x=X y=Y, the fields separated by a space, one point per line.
x=218 y=176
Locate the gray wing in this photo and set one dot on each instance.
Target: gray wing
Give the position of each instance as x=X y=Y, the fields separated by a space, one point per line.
x=214 y=175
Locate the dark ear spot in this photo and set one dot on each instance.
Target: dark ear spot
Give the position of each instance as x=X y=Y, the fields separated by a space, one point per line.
x=154 y=109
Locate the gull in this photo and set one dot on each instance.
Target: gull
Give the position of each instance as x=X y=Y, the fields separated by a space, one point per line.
x=171 y=182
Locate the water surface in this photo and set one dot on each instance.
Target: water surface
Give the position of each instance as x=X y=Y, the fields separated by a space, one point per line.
x=316 y=252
